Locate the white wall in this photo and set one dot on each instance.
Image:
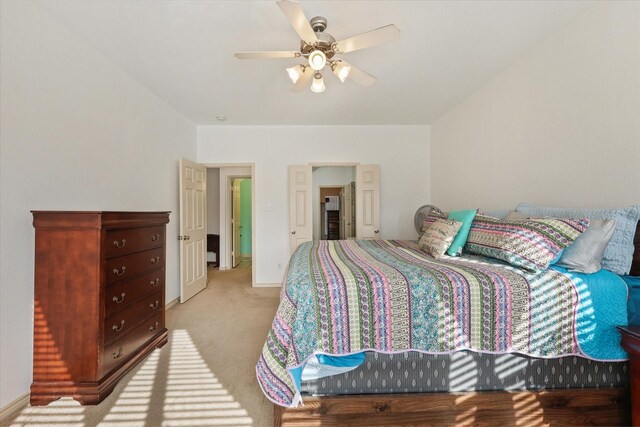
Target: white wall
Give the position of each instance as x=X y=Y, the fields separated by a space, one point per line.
x=213 y=201
x=401 y=151
x=77 y=133
x=561 y=126
x=328 y=176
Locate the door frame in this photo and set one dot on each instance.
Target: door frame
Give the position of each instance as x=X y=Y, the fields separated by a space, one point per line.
x=226 y=172
x=322 y=165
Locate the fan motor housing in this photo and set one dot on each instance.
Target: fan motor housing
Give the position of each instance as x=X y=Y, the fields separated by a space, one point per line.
x=325 y=40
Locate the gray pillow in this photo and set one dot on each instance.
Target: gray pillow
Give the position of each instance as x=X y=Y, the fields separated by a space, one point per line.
x=585 y=254
x=513 y=215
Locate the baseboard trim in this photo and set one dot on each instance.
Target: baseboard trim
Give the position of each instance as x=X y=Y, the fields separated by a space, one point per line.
x=12 y=408
x=170 y=304
x=266 y=285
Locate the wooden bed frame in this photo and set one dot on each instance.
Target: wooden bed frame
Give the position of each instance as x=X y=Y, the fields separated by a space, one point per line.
x=586 y=407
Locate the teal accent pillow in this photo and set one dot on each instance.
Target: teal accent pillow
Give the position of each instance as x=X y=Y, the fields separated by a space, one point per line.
x=466 y=218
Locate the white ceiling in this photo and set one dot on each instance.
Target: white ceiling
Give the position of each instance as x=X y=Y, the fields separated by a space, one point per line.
x=183 y=52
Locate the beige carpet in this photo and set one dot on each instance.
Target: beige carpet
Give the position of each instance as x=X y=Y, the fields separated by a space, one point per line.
x=204 y=376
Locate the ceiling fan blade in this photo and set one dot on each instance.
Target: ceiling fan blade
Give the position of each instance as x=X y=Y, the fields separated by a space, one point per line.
x=360 y=77
x=298 y=20
x=368 y=39
x=267 y=54
x=303 y=81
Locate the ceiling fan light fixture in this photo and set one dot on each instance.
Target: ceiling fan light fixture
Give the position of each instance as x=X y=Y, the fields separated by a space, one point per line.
x=296 y=72
x=318 y=83
x=317 y=60
x=341 y=70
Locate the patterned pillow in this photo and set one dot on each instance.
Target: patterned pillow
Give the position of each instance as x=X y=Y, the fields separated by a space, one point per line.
x=430 y=219
x=530 y=244
x=618 y=256
x=437 y=236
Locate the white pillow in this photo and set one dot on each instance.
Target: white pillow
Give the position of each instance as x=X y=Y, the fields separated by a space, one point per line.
x=585 y=254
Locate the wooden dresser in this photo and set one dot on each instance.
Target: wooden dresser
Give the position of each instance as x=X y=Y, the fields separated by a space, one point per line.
x=98 y=302
x=631 y=343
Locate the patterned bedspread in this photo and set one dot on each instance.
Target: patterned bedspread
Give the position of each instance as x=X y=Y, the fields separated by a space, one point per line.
x=342 y=297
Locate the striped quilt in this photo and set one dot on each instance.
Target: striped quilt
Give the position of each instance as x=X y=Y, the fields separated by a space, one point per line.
x=341 y=297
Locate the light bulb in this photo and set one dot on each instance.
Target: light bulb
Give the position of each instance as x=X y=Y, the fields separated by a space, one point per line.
x=296 y=72
x=317 y=60
x=341 y=70
x=318 y=83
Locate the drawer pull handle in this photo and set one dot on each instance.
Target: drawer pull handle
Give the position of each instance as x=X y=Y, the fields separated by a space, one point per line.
x=120 y=244
x=154 y=327
x=116 y=356
x=118 y=328
x=118 y=301
x=155 y=237
x=119 y=272
x=155 y=283
x=154 y=260
x=154 y=306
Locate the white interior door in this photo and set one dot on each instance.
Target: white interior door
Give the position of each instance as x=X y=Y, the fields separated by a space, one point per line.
x=193 y=233
x=368 y=202
x=347 y=215
x=235 y=223
x=300 y=205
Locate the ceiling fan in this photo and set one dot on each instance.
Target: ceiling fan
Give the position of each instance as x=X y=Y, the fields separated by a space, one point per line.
x=320 y=48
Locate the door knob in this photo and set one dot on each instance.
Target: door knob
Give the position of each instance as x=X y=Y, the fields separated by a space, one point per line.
x=293 y=232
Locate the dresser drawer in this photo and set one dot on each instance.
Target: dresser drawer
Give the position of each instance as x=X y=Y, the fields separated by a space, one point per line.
x=121 y=294
x=121 y=323
x=129 y=240
x=128 y=266
x=120 y=350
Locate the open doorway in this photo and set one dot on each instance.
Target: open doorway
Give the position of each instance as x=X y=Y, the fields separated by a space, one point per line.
x=241 y=228
x=220 y=214
x=334 y=216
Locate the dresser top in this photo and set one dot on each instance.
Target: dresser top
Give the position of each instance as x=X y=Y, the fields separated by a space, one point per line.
x=631 y=330
x=97 y=219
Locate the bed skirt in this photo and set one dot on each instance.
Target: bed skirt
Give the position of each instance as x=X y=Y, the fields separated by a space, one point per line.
x=414 y=372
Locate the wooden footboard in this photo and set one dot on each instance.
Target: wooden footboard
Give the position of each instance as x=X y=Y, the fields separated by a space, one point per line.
x=584 y=407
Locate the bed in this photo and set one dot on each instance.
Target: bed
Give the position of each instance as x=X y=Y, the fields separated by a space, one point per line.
x=387 y=303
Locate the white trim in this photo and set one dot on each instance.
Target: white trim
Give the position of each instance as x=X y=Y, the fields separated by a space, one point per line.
x=225 y=173
x=266 y=285
x=170 y=304
x=12 y=408
x=325 y=164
